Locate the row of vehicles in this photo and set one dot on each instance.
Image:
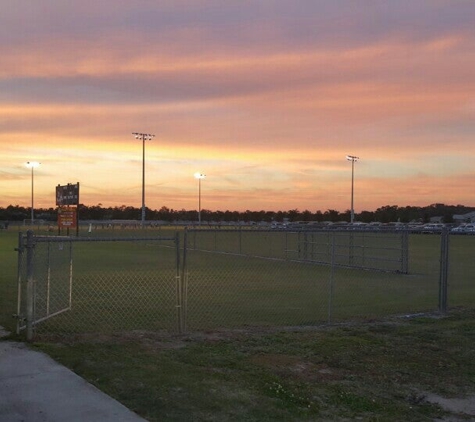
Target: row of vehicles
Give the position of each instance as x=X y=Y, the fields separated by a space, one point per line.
x=465 y=228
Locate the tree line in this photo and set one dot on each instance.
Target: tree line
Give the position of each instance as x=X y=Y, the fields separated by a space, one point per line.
x=385 y=214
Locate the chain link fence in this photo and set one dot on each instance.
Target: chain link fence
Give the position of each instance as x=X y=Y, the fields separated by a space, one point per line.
x=97 y=285
x=460 y=271
x=206 y=279
x=300 y=277
x=377 y=250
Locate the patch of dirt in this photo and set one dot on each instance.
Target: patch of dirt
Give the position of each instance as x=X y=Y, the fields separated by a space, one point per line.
x=4 y=332
x=462 y=408
x=155 y=340
x=163 y=336
x=293 y=366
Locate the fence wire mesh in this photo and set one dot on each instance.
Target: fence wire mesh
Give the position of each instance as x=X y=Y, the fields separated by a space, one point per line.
x=461 y=269
x=202 y=279
x=102 y=285
x=300 y=278
x=385 y=251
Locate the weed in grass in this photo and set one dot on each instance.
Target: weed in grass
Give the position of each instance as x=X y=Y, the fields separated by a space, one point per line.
x=293 y=396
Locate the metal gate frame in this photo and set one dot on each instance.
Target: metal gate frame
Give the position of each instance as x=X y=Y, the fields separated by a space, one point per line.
x=26 y=314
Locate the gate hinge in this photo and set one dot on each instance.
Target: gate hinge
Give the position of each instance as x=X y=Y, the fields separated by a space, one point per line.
x=19 y=317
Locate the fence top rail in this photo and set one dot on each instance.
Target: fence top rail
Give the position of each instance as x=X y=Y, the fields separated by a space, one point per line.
x=384 y=231
x=59 y=239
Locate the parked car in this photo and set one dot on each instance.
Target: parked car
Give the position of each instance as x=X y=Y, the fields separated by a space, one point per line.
x=432 y=228
x=464 y=229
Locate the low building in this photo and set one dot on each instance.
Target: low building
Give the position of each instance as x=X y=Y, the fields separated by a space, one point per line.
x=465 y=218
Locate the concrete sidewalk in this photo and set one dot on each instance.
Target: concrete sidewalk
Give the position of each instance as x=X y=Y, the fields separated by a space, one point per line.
x=35 y=388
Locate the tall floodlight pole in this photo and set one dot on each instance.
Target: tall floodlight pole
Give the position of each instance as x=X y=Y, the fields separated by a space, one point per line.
x=199 y=176
x=32 y=165
x=353 y=159
x=144 y=137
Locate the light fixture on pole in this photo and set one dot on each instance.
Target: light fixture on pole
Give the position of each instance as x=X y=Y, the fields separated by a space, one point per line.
x=144 y=137
x=199 y=176
x=353 y=159
x=32 y=165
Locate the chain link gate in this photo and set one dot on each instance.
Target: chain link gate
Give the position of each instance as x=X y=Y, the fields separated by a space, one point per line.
x=97 y=285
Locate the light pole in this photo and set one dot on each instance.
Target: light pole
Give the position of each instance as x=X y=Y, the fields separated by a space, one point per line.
x=353 y=159
x=32 y=165
x=199 y=176
x=144 y=137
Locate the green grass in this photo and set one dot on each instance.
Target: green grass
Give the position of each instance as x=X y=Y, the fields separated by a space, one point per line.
x=373 y=372
x=8 y=278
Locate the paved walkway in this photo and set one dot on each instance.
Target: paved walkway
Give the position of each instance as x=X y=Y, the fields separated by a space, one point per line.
x=35 y=388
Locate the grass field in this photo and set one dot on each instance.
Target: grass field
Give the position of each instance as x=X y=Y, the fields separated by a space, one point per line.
x=123 y=286
x=236 y=364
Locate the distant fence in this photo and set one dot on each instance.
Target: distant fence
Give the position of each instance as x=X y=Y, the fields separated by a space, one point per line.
x=375 y=250
x=205 y=279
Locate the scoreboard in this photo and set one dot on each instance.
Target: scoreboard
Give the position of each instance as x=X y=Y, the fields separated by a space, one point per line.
x=67 y=195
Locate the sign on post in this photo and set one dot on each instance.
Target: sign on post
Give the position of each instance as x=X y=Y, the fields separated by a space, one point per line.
x=67 y=200
x=67 y=217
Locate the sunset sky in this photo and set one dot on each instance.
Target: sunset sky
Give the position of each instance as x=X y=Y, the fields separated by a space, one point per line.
x=264 y=97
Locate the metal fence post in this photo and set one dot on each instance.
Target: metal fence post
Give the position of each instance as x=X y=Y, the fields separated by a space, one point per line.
x=305 y=246
x=332 y=276
x=240 y=240
x=20 y=249
x=299 y=245
x=405 y=252
x=182 y=285
x=70 y=274
x=48 y=279
x=286 y=245
x=30 y=287
x=363 y=249
x=312 y=247
x=351 y=248
x=444 y=270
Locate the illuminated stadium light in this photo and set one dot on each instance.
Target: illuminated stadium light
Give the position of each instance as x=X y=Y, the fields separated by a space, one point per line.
x=353 y=159
x=32 y=165
x=199 y=176
x=144 y=137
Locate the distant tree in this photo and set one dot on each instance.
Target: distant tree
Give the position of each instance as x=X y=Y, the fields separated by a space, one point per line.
x=293 y=215
x=306 y=215
x=387 y=214
x=319 y=216
x=331 y=215
x=346 y=216
x=365 y=216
